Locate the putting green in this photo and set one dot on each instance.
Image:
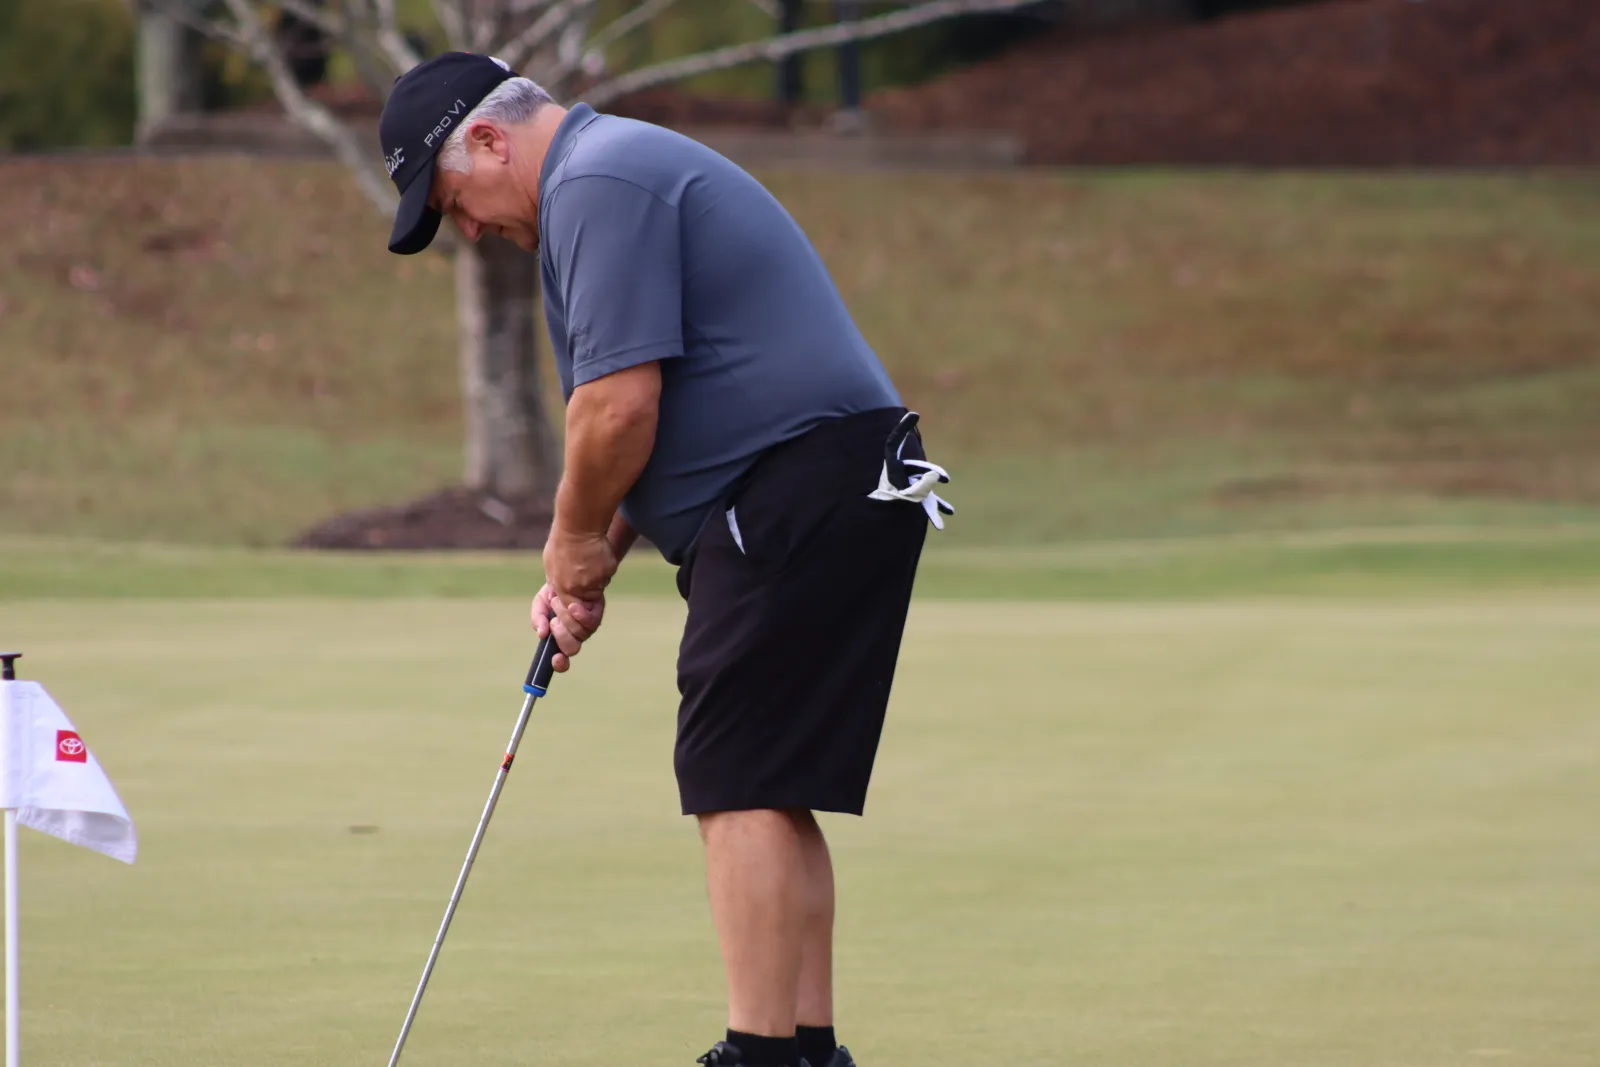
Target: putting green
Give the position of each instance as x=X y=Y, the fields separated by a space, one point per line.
x=1252 y=834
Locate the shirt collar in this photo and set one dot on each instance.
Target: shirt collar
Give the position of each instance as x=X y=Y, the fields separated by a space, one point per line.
x=562 y=143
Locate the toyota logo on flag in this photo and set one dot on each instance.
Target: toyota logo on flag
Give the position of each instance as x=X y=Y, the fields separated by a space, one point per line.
x=70 y=748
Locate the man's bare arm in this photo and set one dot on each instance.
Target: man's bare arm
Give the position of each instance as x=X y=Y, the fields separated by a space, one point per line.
x=611 y=430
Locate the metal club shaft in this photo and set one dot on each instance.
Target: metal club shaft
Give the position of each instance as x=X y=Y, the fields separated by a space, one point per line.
x=538 y=680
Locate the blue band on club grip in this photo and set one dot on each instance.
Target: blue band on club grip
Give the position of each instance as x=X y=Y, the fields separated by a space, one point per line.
x=535 y=690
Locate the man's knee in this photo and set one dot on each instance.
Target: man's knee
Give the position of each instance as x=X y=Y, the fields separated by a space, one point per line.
x=755 y=821
x=720 y=822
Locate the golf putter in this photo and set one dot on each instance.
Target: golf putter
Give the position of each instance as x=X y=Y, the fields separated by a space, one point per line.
x=537 y=683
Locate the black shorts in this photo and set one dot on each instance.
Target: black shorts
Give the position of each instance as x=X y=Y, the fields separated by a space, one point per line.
x=798 y=588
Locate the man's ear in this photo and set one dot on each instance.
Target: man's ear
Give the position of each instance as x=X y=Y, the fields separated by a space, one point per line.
x=486 y=137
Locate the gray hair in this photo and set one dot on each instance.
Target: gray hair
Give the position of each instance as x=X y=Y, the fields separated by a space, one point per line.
x=510 y=103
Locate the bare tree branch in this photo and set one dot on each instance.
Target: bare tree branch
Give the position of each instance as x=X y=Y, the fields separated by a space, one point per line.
x=369 y=29
x=626 y=24
x=775 y=48
x=448 y=12
x=371 y=62
x=315 y=16
x=395 y=47
x=179 y=11
x=591 y=56
x=569 y=45
x=516 y=51
x=485 y=25
x=302 y=110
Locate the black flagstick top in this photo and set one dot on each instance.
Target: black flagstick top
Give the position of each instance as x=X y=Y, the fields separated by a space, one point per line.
x=8 y=665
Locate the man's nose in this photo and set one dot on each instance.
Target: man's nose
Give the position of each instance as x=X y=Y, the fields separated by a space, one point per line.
x=470 y=229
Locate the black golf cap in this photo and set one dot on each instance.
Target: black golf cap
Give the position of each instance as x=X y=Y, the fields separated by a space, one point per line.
x=424 y=108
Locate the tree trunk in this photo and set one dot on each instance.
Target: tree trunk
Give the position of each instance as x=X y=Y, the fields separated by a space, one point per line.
x=791 y=73
x=169 y=69
x=511 y=451
x=849 y=58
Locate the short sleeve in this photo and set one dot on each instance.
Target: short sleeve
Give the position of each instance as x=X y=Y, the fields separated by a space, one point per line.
x=615 y=254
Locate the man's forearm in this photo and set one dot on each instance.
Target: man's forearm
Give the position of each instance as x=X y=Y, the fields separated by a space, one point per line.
x=611 y=430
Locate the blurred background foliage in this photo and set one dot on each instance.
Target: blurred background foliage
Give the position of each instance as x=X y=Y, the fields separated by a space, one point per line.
x=67 y=75
x=68 y=78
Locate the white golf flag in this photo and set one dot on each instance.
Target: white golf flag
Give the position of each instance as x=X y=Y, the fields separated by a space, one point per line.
x=52 y=779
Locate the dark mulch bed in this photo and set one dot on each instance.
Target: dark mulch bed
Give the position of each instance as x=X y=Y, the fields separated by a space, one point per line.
x=1343 y=82
x=453 y=518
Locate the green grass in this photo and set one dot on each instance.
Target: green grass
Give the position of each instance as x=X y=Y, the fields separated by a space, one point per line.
x=220 y=351
x=1306 y=774
x=1419 y=562
x=1340 y=833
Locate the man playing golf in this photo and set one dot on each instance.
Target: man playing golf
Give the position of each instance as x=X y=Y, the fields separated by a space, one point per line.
x=721 y=403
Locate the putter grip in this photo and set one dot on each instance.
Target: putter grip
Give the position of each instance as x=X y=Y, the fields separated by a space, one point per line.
x=542 y=667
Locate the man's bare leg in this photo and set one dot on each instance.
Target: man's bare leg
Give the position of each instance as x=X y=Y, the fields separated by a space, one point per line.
x=814 y=1009
x=757 y=879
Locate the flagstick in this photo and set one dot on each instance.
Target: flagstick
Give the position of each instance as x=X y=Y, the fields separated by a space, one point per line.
x=13 y=1010
x=8 y=673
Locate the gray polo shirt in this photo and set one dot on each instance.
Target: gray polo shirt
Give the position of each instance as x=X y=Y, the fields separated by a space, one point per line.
x=653 y=247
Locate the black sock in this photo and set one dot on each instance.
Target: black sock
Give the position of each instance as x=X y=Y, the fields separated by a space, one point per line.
x=756 y=1051
x=816 y=1044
